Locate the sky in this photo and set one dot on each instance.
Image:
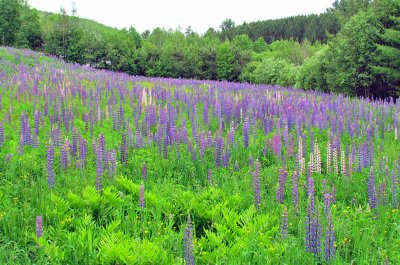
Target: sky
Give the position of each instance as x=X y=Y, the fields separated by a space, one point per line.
x=175 y=14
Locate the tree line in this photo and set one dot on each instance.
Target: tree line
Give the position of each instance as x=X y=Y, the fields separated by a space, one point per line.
x=352 y=48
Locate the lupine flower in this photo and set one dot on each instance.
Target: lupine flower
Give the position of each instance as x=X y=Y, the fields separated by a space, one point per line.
x=209 y=176
x=142 y=202
x=112 y=163
x=202 y=145
x=224 y=159
x=256 y=184
x=371 y=189
x=36 y=123
x=280 y=193
x=50 y=168
x=99 y=169
x=82 y=152
x=251 y=161
x=39 y=226
x=124 y=150
x=1 y=134
x=246 y=132
x=277 y=144
x=327 y=197
x=165 y=147
x=188 y=242
x=64 y=155
x=219 y=144
x=74 y=146
x=329 y=240
x=284 y=225
x=313 y=230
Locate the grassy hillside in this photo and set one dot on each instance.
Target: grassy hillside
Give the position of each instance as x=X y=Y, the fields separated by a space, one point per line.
x=98 y=167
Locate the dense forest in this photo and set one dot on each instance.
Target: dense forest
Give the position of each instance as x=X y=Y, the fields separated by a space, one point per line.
x=352 y=48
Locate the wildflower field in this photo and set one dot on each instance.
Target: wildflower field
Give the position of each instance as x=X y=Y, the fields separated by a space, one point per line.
x=99 y=167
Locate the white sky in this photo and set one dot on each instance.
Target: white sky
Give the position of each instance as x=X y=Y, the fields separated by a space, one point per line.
x=200 y=14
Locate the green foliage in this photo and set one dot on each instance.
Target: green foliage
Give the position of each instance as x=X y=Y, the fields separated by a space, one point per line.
x=352 y=52
x=224 y=61
x=30 y=35
x=272 y=71
x=10 y=21
x=311 y=75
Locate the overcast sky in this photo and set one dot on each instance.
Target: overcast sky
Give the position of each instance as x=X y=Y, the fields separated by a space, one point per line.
x=200 y=15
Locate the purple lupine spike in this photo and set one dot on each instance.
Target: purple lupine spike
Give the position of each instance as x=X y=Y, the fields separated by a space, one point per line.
x=124 y=150
x=309 y=224
x=188 y=242
x=330 y=240
x=144 y=172
x=1 y=134
x=251 y=161
x=246 y=132
x=130 y=137
x=280 y=192
x=398 y=171
x=313 y=230
x=327 y=196
x=205 y=113
x=202 y=145
x=121 y=118
x=371 y=189
x=277 y=144
x=64 y=155
x=284 y=225
x=99 y=169
x=141 y=199
x=39 y=226
x=138 y=139
x=256 y=184
x=102 y=145
x=36 y=123
x=165 y=147
x=112 y=163
x=23 y=131
x=82 y=152
x=295 y=191
x=50 y=168
x=224 y=159
x=27 y=132
x=219 y=144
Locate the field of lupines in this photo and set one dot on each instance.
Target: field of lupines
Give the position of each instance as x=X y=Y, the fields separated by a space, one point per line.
x=104 y=168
